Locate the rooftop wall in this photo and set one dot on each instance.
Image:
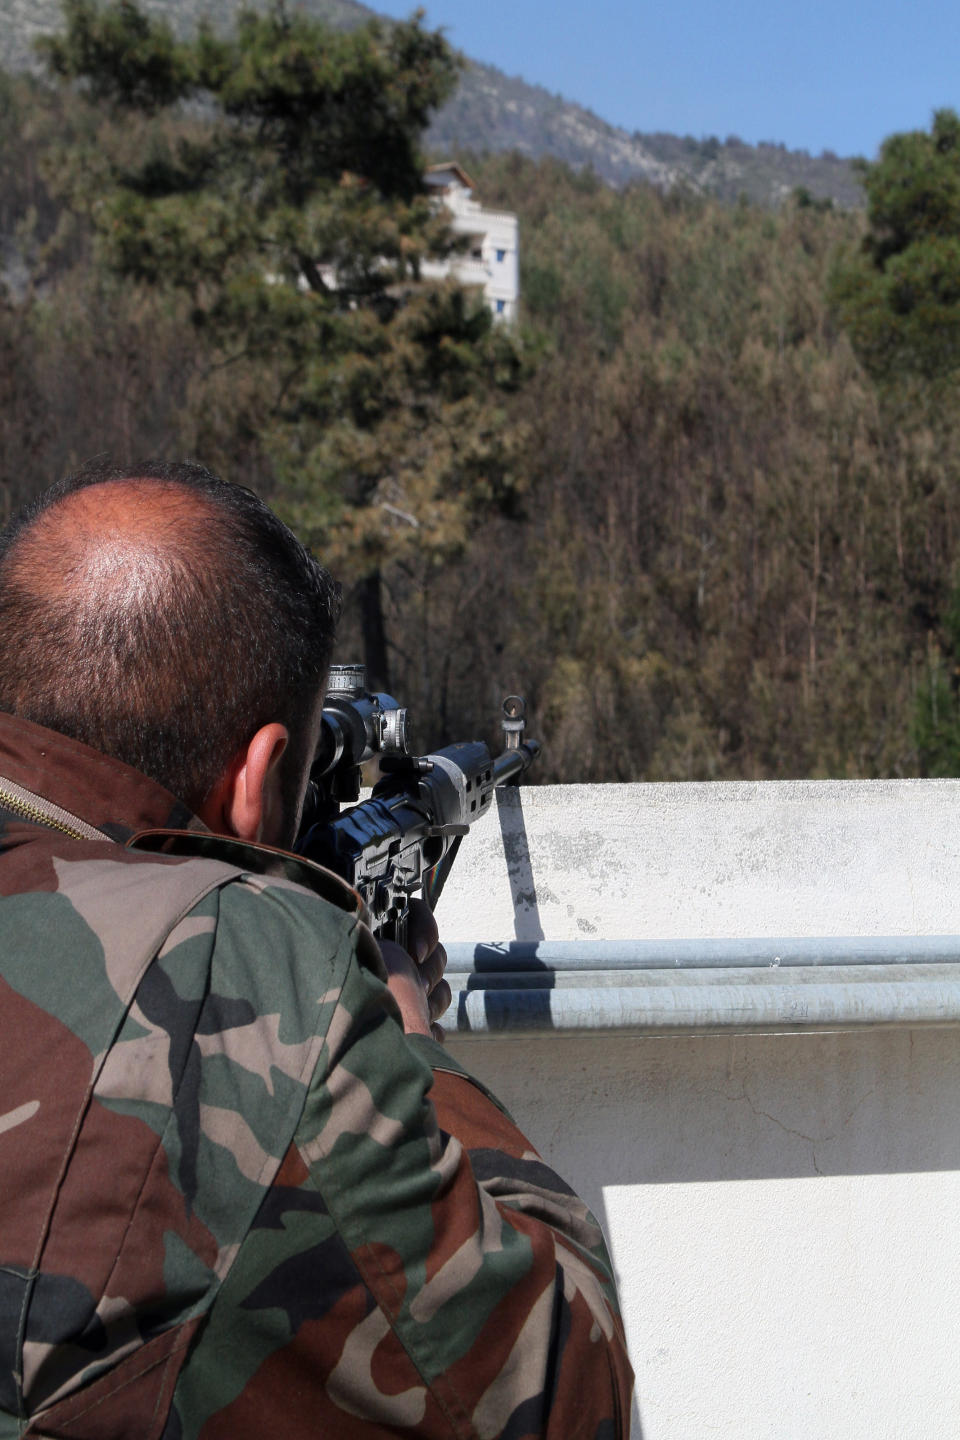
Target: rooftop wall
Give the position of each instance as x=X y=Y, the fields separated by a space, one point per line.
x=759 y=1094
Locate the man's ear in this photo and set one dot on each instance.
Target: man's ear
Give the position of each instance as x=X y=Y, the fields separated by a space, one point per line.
x=248 y=794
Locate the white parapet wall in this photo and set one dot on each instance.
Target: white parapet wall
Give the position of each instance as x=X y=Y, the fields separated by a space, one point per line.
x=729 y=1015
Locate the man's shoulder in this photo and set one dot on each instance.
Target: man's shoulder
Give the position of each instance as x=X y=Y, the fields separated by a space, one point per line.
x=262 y=867
x=91 y=918
x=129 y=892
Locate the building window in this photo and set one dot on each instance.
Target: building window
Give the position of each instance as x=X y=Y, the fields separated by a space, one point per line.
x=501 y=306
x=501 y=256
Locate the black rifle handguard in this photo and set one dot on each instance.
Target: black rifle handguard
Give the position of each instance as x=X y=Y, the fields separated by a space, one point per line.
x=405 y=837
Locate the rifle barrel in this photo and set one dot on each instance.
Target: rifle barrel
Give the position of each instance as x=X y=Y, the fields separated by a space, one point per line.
x=512 y=763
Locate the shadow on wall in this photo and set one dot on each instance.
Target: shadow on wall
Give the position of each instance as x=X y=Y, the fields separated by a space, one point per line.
x=528 y=926
x=621 y=1110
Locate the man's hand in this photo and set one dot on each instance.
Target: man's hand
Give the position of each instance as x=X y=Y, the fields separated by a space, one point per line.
x=415 y=979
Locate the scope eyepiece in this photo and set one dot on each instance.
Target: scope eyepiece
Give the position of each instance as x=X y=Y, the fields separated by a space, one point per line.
x=347 y=680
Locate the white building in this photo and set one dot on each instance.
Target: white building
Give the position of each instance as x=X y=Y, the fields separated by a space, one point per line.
x=492 y=258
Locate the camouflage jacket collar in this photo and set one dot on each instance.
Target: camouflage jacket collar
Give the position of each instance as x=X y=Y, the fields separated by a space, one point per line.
x=102 y=792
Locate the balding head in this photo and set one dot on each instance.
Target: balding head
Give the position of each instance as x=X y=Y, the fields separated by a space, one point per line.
x=114 y=543
x=161 y=616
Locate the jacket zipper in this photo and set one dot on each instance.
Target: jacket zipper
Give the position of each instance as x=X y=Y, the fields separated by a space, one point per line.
x=43 y=812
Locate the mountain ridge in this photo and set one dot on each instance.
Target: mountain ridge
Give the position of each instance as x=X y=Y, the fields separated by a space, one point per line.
x=492 y=111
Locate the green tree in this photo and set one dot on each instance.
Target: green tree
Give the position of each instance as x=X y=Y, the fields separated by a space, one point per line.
x=898 y=296
x=274 y=179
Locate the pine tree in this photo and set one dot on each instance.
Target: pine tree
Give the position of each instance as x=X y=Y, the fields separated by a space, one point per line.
x=899 y=295
x=273 y=177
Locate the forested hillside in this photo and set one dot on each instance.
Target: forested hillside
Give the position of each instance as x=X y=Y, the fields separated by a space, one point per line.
x=691 y=527
x=737 y=551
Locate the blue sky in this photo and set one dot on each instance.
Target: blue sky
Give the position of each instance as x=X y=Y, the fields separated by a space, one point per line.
x=837 y=76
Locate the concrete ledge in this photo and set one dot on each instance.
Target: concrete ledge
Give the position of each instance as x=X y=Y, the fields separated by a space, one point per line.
x=661 y=909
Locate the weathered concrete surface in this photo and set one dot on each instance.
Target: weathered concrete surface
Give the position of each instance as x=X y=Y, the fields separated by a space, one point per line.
x=781 y=1207
x=775 y=858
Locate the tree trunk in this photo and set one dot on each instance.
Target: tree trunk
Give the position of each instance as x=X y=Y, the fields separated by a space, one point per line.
x=374 y=632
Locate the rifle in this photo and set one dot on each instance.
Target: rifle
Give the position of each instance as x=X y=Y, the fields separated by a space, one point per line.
x=405 y=838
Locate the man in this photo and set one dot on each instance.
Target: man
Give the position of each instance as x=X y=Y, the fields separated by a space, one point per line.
x=243 y=1192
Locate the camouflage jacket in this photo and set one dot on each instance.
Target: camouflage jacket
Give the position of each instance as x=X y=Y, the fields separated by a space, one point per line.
x=236 y=1199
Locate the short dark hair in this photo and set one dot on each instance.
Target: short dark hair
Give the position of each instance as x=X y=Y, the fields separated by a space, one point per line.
x=230 y=625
